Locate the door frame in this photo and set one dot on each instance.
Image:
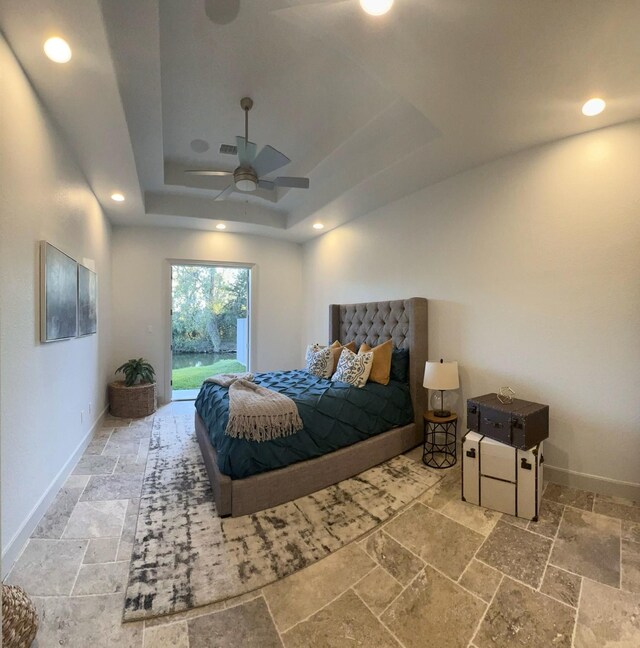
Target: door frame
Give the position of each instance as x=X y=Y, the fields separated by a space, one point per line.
x=168 y=291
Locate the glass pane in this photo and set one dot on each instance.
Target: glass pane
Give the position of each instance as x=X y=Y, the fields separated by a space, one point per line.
x=209 y=326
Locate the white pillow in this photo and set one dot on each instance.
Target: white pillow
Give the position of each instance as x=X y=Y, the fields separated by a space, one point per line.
x=353 y=368
x=319 y=360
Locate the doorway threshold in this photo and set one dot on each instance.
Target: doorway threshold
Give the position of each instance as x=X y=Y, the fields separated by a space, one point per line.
x=184 y=394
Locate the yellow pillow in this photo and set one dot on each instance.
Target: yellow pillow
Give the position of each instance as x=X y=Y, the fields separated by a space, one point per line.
x=336 y=350
x=381 y=369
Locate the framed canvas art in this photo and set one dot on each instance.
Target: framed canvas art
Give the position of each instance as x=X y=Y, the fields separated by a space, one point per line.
x=87 y=291
x=58 y=294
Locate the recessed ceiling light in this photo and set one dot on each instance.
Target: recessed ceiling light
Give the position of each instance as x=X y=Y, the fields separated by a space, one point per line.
x=376 y=7
x=118 y=197
x=221 y=226
x=593 y=107
x=57 y=49
x=318 y=226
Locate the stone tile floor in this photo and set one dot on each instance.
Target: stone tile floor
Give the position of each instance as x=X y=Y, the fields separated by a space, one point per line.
x=442 y=573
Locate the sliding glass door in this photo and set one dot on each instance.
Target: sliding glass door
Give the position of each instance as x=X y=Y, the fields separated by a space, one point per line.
x=209 y=324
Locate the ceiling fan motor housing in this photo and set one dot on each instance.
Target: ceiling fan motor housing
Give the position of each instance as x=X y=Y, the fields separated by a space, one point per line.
x=245 y=179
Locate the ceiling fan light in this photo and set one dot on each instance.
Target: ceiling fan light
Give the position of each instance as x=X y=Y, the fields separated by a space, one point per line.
x=246 y=185
x=245 y=179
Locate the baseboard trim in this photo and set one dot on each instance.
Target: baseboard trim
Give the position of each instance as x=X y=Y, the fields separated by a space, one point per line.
x=14 y=547
x=593 y=483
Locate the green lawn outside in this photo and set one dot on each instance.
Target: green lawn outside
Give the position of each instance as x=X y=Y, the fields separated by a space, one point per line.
x=193 y=377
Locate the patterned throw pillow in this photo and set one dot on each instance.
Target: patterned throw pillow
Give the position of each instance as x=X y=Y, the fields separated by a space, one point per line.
x=353 y=369
x=319 y=360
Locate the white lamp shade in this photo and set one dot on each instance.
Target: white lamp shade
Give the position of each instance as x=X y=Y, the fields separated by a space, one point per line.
x=441 y=375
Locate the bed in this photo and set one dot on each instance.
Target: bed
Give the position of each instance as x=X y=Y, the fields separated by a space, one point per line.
x=346 y=429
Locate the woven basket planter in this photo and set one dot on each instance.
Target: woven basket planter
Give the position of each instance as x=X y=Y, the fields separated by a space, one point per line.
x=132 y=402
x=19 y=619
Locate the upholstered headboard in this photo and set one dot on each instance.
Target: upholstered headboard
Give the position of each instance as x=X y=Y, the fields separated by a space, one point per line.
x=404 y=321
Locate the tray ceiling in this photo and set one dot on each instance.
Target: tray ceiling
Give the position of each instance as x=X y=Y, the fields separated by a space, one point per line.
x=370 y=109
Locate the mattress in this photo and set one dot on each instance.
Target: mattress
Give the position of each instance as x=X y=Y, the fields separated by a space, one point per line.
x=334 y=415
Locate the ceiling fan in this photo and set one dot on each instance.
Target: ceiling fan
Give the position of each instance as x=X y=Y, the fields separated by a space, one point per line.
x=249 y=175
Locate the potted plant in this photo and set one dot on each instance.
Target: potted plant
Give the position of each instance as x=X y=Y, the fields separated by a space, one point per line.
x=135 y=396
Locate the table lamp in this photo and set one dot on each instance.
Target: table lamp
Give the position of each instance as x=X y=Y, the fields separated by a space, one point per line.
x=441 y=376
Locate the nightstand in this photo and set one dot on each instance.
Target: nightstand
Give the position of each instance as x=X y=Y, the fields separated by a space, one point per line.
x=439 y=445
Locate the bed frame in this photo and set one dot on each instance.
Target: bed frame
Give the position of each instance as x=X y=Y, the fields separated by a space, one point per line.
x=404 y=322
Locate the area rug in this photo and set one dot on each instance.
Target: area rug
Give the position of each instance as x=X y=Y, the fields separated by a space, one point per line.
x=185 y=556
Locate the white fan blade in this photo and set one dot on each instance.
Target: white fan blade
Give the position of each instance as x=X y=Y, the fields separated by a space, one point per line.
x=225 y=192
x=294 y=183
x=207 y=172
x=246 y=152
x=266 y=184
x=268 y=160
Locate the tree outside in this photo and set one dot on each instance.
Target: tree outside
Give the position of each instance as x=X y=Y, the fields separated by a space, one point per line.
x=209 y=304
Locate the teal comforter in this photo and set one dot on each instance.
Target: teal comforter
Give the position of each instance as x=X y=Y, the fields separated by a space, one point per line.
x=334 y=414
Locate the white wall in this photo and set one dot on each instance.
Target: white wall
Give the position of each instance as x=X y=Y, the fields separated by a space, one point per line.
x=43 y=387
x=141 y=299
x=532 y=268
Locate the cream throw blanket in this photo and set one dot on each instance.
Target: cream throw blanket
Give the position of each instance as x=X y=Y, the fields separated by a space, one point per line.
x=257 y=413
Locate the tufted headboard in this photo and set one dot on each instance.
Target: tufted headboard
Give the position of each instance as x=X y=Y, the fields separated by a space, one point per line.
x=404 y=321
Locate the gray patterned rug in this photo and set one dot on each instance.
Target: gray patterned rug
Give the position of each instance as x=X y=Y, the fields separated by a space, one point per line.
x=185 y=556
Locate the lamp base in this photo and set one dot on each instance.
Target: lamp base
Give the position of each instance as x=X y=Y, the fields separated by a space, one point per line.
x=442 y=413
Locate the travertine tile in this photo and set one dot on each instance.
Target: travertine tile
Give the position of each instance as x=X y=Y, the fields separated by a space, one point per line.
x=125 y=549
x=48 y=567
x=110 y=421
x=561 y=585
x=96 y=446
x=117 y=448
x=121 y=486
x=193 y=613
x=101 y=550
x=518 y=616
x=303 y=593
x=129 y=464
x=84 y=622
x=133 y=432
x=571 y=496
x=95 y=465
x=478 y=518
x=613 y=508
x=589 y=545
x=399 y=562
x=55 y=519
x=630 y=566
x=133 y=507
x=175 y=635
x=481 y=579
x=245 y=626
x=516 y=553
x=549 y=518
x=77 y=481
x=607 y=617
x=377 y=589
x=443 y=543
x=613 y=499
x=522 y=523
x=96 y=519
x=129 y=528
x=345 y=620
x=101 y=578
x=433 y=612
x=448 y=488
x=630 y=531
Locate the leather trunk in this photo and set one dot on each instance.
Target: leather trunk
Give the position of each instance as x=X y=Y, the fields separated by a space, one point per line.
x=521 y=424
